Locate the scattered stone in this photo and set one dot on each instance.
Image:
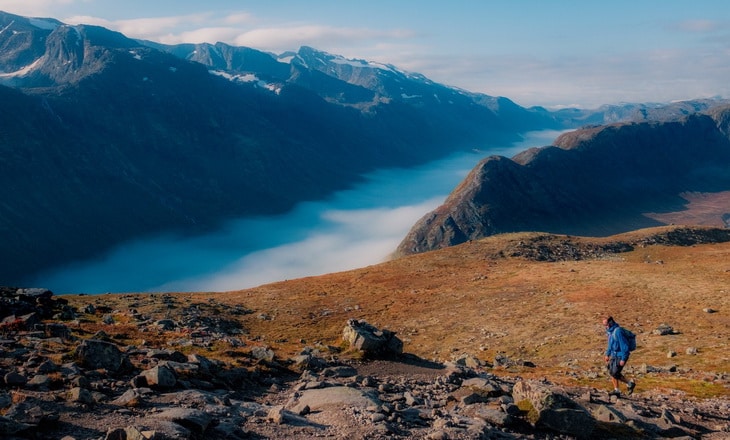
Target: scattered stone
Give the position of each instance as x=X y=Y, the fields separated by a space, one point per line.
x=664 y=329
x=14 y=379
x=80 y=395
x=263 y=354
x=159 y=377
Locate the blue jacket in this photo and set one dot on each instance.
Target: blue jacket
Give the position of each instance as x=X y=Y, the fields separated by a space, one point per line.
x=618 y=346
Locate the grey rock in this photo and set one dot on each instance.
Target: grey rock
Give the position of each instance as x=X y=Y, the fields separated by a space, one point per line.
x=664 y=329
x=14 y=379
x=370 y=340
x=192 y=419
x=546 y=408
x=95 y=354
x=263 y=353
x=131 y=398
x=80 y=395
x=338 y=396
x=39 y=381
x=159 y=377
x=492 y=416
x=609 y=414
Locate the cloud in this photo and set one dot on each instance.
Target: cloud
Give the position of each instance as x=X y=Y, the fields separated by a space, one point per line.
x=238 y=28
x=699 y=26
x=324 y=37
x=589 y=80
x=202 y=35
x=145 y=28
x=36 y=8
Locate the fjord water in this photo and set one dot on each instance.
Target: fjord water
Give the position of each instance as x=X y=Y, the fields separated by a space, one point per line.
x=354 y=228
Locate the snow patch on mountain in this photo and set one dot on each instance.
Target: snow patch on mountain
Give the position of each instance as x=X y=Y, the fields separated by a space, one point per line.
x=7 y=27
x=247 y=78
x=42 y=23
x=22 y=71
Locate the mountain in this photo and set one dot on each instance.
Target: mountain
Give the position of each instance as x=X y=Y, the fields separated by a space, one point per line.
x=104 y=139
x=593 y=181
x=634 y=112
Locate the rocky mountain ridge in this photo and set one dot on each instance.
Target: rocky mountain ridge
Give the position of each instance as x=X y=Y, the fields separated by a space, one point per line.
x=593 y=181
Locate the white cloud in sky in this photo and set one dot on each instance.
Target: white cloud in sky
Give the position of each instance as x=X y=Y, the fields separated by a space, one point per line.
x=151 y=28
x=37 y=8
x=280 y=39
x=701 y=26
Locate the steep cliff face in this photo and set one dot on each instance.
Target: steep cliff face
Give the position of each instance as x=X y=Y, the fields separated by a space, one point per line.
x=593 y=181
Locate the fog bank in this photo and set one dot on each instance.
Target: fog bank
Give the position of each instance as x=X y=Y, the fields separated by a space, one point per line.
x=353 y=228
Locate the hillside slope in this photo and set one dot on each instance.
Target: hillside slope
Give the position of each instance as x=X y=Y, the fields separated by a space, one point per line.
x=482 y=325
x=528 y=298
x=594 y=181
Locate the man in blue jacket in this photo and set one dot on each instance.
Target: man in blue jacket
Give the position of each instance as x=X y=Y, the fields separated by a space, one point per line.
x=617 y=354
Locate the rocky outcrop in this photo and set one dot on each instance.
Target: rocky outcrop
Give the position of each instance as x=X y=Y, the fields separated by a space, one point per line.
x=595 y=181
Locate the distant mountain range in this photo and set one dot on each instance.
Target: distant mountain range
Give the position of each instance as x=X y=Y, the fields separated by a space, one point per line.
x=595 y=181
x=104 y=138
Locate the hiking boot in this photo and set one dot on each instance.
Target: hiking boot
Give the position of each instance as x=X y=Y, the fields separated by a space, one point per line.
x=630 y=388
x=616 y=393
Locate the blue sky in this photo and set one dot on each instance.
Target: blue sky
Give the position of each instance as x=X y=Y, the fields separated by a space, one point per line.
x=535 y=52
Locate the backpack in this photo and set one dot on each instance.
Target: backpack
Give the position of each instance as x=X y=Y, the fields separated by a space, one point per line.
x=630 y=338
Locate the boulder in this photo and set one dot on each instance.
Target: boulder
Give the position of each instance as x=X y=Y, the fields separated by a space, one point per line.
x=192 y=419
x=546 y=408
x=160 y=377
x=370 y=340
x=96 y=354
x=338 y=397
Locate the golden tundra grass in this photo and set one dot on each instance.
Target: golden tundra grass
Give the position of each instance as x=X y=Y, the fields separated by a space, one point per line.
x=467 y=300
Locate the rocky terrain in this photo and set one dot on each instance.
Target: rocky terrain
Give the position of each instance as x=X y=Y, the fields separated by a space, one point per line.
x=499 y=338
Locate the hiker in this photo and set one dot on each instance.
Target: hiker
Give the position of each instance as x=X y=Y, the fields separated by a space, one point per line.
x=617 y=354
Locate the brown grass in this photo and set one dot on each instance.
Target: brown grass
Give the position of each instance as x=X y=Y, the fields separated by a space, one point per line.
x=463 y=300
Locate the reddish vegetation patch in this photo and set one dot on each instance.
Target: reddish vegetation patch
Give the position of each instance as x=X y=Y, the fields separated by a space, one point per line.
x=705 y=209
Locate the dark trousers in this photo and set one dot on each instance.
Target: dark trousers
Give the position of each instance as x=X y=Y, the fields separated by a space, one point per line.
x=614 y=368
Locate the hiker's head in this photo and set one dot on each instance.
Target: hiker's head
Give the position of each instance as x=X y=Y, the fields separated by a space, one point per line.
x=608 y=322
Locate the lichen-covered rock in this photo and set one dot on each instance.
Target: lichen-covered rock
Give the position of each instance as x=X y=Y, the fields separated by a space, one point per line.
x=549 y=409
x=370 y=340
x=95 y=354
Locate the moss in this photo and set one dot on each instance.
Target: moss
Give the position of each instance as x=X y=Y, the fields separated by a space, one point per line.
x=531 y=414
